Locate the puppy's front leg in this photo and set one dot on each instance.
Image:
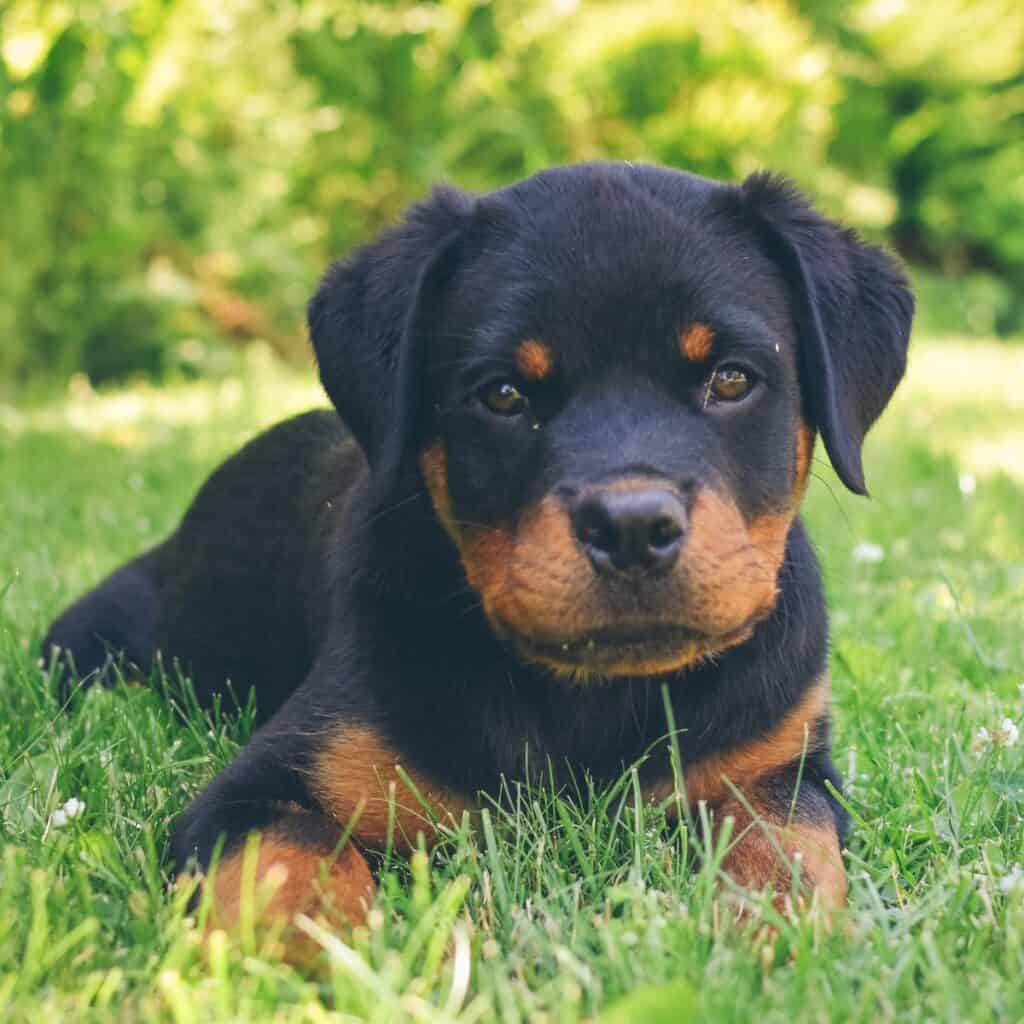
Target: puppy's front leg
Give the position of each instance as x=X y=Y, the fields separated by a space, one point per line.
x=297 y=865
x=303 y=790
x=281 y=855
x=785 y=838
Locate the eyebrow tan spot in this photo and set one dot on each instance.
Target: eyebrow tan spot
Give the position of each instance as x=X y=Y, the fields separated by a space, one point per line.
x=695 y=343
x=533 y=359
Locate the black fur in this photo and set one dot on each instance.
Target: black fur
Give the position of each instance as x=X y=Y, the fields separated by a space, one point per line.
x=854 y=312
x=316 y=571
x=363 y=321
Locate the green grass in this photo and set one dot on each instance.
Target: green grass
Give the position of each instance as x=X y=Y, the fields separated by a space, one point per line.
x=558 y=915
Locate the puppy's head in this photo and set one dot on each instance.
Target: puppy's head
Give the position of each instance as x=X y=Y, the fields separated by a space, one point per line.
x=609 y=378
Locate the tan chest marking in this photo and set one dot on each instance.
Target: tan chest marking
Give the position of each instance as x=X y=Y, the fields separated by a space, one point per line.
x=714 y=778
x=359 y=777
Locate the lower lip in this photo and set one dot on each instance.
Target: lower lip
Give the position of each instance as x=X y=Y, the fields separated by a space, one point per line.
x=612 y=653
x=606 y=647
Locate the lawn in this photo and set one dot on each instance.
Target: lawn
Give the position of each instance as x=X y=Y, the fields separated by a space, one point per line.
x=548 y=914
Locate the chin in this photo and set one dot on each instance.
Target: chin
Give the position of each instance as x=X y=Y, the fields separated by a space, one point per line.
x=617 y=653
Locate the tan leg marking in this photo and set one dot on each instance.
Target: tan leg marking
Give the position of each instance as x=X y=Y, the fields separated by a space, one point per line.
x=356 y=780
x=753 y=859
x=754 y=862
x=291 y=879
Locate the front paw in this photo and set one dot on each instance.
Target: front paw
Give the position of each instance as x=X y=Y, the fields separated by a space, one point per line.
x=294 y=866
x=269 y=880
x=800 y=861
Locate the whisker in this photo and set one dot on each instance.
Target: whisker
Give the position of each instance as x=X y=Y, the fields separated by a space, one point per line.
x=839 y=505
x=381 y=513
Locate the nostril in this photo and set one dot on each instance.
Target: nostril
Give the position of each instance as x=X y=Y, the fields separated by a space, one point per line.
x=594 y=528
x=665 y=533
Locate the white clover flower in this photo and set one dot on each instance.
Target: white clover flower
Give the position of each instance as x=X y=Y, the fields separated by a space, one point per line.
x=980 y=741
x=1007 y=734
x=968 y=484
x=1013 y=880
x=868 y=552
x=71 y=809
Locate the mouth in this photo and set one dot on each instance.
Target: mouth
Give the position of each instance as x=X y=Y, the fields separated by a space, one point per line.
x=615 y=652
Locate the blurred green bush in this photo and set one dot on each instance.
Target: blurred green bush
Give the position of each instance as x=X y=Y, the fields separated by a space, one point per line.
x=177 y=172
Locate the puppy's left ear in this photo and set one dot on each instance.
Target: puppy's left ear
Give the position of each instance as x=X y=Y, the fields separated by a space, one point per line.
x=854 y=310
x=370 y=320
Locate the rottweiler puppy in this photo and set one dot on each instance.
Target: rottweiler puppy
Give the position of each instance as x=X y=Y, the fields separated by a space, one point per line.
x=574 y=423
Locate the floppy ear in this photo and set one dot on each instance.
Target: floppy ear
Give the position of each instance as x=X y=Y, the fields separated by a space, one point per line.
x=854 y=310
x=367 y=324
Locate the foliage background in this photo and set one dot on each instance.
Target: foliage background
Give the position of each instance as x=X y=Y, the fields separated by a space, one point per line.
x=176 y=173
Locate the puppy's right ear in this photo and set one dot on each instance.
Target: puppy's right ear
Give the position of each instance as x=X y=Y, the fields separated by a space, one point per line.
x=368 y=321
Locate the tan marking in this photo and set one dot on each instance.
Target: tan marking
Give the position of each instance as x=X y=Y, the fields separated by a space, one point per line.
x=804 y=454
x=434 y=467
x=769 y=531
x=533 y=359
x=637 y=669
x=743 y=766
x=532 y=578
x=695 y=343
x=535 y=580
x=354 y=779
x=753 y=857
x=823 y=866
x=715 y=777
x=290 y=880
x=529 y=581
x=754 y=862
x=731 y=568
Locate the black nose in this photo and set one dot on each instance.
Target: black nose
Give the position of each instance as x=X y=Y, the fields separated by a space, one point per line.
x=637 y=531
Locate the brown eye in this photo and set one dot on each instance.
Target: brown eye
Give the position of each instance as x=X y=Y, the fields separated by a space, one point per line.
x=730 y=383
x=504 y=398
